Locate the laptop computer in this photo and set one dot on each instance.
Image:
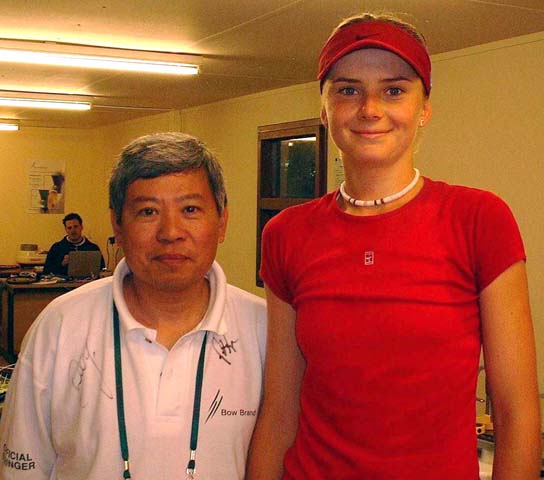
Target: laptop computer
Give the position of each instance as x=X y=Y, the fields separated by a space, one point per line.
x=84 y=264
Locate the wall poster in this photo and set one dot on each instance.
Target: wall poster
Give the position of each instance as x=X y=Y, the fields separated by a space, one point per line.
x=46 y=186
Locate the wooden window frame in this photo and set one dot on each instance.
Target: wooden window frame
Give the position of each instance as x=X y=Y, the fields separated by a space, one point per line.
x=285 y=131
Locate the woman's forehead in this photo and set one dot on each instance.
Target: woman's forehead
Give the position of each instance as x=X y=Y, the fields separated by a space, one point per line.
x=369 y=60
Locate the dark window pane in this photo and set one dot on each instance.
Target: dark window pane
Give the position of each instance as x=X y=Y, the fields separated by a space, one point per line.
x=300 y=169
x=288 y=168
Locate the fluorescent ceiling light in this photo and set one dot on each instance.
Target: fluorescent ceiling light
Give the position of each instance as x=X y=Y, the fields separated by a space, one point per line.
x=105 y=63
x=43 y=103
x=66 y=55
x=9 y=125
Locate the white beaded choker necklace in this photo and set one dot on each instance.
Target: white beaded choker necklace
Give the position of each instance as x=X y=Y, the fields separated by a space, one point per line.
x=379 y=201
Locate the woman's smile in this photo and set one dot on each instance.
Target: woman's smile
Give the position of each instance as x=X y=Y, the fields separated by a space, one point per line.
x=371 y=134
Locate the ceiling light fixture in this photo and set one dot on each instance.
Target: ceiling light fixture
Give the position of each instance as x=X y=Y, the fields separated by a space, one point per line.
x=85 y=56
x=9 y=125
x=44 y=103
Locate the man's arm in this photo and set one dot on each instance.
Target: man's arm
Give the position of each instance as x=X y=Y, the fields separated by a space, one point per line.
x=53 y=261
x=278 y=417
x=510 y=364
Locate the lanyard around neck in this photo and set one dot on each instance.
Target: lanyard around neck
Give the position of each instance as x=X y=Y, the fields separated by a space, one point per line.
x=191 y=466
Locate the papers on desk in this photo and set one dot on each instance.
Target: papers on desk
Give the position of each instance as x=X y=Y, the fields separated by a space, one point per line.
x=21 y=280
x=50 y=280
x=26 y=279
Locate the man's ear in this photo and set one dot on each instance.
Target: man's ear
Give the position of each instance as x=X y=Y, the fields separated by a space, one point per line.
x=116 y=228
x=223 y=221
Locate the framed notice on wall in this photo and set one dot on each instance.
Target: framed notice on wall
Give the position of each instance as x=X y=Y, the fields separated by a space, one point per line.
x=46 y=186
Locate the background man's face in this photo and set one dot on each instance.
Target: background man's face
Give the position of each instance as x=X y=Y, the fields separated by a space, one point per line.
x=73 y=229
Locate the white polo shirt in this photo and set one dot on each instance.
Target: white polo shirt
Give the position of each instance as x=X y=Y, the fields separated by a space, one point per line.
x=60 y=418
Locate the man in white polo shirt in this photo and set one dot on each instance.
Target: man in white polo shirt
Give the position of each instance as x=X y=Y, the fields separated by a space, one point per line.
x=154 y=373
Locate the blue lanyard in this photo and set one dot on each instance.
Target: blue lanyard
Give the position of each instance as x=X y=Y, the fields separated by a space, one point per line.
x=191 y=465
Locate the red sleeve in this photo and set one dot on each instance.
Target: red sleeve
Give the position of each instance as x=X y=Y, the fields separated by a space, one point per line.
x=498 y=240
x=273 y=258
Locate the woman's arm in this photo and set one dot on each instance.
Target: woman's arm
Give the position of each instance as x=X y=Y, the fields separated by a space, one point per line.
x=278 y=416
x=510 y=364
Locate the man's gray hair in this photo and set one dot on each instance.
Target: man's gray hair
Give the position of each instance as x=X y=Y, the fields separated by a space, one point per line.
x=160 y=154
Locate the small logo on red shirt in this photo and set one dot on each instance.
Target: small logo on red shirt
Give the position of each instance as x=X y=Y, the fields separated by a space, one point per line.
x=369 y=258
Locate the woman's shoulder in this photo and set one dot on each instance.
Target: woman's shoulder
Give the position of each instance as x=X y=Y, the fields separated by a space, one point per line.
x=302 y=213
x=466 y=195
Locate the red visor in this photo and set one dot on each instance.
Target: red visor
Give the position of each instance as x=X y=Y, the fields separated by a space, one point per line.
x=382 y=35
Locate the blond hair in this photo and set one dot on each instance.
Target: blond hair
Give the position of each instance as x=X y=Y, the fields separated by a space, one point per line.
x=384 y=18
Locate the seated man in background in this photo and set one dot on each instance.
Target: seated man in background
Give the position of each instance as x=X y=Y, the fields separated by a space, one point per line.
x=58 y=255
x=163 y=361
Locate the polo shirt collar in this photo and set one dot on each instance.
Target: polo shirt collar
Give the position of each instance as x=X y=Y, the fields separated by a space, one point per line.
x=213 y=320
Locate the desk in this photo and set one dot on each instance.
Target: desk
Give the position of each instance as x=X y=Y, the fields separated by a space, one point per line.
x=21 y=304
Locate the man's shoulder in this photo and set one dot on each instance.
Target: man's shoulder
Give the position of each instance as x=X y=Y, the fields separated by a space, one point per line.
x=95 y=288
x=91 y=245
x=246 y=304
x=68 y=319
x=59 y=244
x=241 y=296
x=245 y=313
x=88 y=296
x=233 y=295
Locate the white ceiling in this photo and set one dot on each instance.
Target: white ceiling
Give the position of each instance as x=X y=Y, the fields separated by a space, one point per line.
x=244 y=46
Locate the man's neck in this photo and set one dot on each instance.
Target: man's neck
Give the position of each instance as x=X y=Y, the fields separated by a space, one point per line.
x=79 y=241
x=172 y=314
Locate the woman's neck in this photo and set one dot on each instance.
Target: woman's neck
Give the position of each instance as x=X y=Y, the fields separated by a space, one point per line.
x=376 y=184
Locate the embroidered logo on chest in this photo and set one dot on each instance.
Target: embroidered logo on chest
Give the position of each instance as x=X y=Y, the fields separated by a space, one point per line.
x=369 y=258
